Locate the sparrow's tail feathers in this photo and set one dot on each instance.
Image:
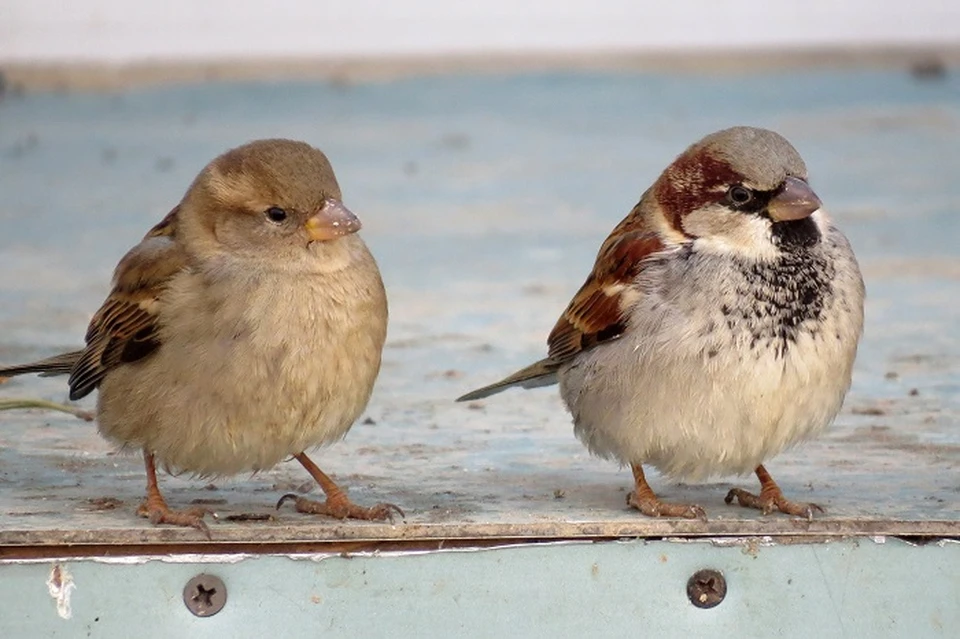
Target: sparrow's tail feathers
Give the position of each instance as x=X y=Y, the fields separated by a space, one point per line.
x=56 y=365
x=542 y=373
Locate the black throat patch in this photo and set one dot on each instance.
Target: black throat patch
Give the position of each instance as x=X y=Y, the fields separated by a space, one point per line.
x=795 y=235
x=782 y=299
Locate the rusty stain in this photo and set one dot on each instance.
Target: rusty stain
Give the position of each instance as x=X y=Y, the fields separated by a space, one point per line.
x=317 y=599
x=663 y=559
x=60 y=586
x=56 y=577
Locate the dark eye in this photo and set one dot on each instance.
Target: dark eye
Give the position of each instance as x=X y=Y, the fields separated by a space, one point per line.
x=276 y=214
x=739 y=195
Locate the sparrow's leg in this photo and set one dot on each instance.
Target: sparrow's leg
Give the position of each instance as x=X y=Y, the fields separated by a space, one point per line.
x=337 y=504
x=646 y=501
x=771 y=498
x=155 y=508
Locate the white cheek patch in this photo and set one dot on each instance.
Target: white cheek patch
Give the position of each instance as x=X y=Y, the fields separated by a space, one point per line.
x=722 y=231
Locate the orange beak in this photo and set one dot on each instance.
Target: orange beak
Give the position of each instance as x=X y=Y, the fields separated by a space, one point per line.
x=333 y=220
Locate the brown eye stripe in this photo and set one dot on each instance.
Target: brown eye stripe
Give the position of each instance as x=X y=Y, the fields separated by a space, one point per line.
x=692 y=182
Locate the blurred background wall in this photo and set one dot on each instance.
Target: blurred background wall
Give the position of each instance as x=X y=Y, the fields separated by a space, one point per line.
x=125 y=31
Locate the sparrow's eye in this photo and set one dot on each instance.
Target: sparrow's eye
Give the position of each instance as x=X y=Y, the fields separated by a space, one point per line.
x=276 y=214
x=739 y=195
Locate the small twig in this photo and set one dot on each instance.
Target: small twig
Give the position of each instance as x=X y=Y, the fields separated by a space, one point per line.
x=12 y=404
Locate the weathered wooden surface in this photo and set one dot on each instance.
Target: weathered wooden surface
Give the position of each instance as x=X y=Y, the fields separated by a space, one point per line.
x=484 y=199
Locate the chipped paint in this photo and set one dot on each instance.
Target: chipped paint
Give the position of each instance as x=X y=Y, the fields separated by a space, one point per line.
x=60 y=586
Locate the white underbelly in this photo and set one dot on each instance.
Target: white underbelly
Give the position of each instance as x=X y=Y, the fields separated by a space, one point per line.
x=693 y=416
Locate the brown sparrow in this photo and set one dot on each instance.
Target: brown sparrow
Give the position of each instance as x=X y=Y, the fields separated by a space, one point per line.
x=718 y=327
x=246 y=327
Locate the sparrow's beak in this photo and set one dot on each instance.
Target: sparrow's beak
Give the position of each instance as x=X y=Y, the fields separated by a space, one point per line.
x=795 y=201
x=333 y=220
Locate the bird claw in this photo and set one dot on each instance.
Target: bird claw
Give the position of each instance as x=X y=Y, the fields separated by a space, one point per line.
x=771 y=501
x=285 y=498
x=384 y=511
x=342 y=508
x=656 y=508
x=190 y=518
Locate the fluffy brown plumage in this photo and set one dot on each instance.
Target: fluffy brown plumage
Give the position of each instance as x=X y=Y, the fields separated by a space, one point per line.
x=718 y=326
x=246 y=327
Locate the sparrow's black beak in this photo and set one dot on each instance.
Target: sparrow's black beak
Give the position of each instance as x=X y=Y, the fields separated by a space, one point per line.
x=333 y=220
x=795 y=201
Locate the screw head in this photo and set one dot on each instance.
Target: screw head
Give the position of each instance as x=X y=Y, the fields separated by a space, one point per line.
x=205 y=595
x=706 y=588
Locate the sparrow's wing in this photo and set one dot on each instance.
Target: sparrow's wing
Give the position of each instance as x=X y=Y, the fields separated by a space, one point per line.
x=598 y=311
x=125 y=328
